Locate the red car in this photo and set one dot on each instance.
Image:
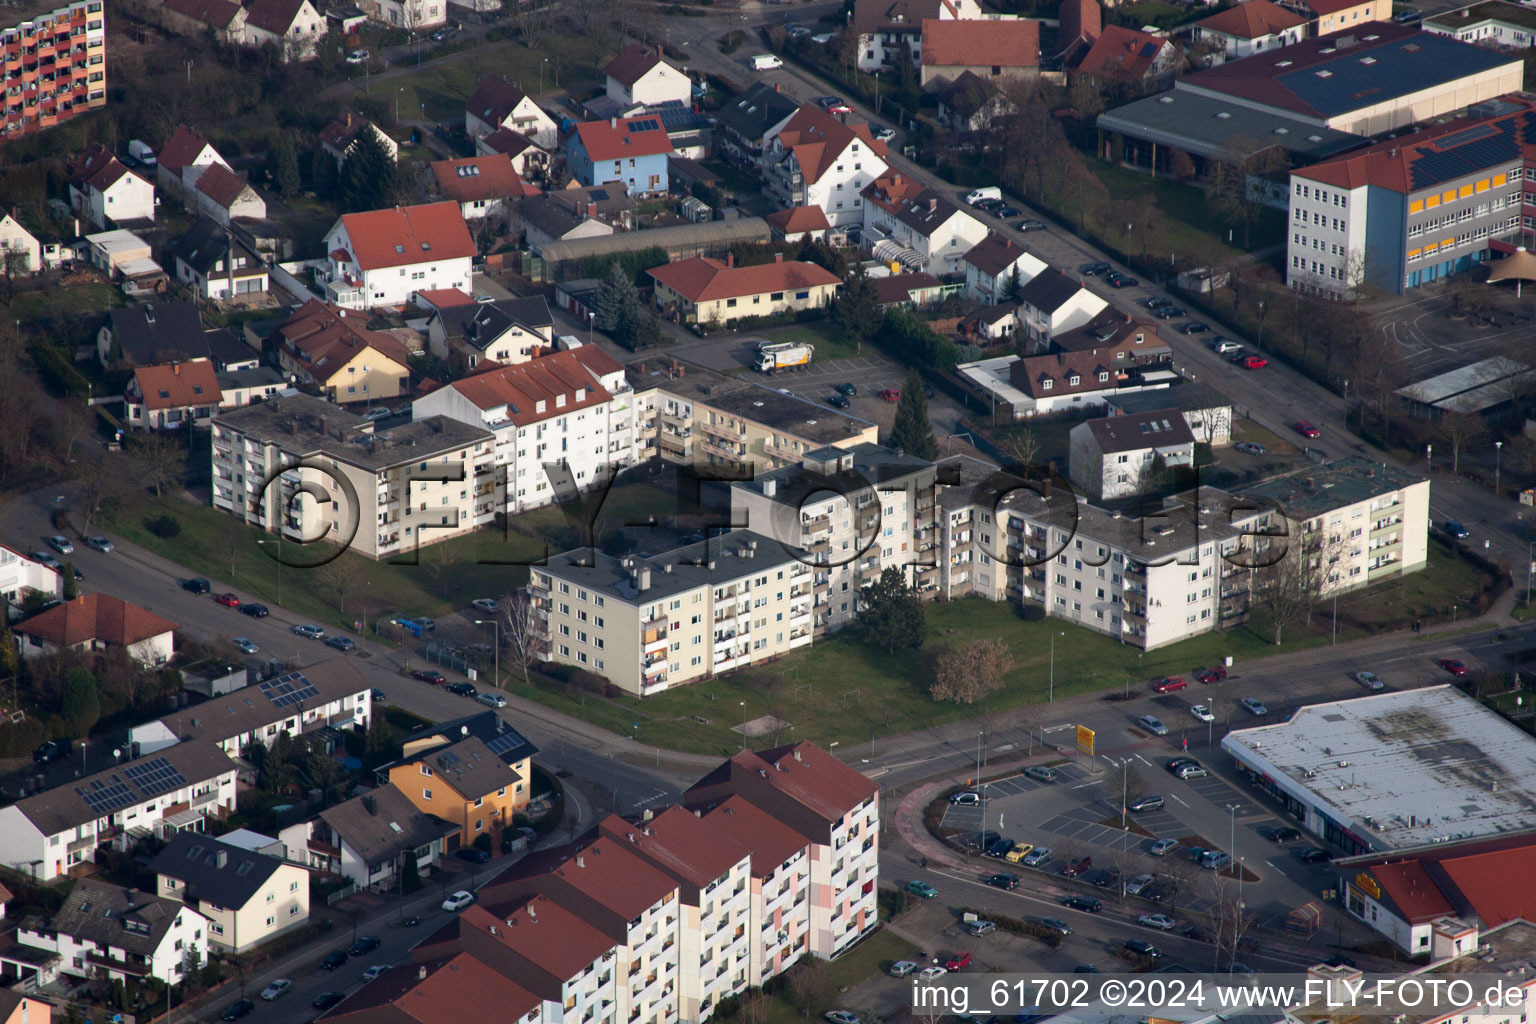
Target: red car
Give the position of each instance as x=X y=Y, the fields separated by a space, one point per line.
x=228 y=600
x=428 y=675
x=1306 y=429
x=1252 y=362
x=1453 y=666
x=1168 y=684
x=891 y=395
x=1211 y=675
x=958 y=961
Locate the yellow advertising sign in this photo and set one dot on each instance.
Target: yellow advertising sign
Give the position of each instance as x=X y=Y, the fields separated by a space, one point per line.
x=1368 y=885
x=1085 y=740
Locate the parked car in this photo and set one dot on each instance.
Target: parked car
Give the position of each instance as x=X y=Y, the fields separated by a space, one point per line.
x=890 y=394
x=1455 y=666
x=881 y=132
x=1152 y=725
x=255 y=611
x=1168 y=684
x=277 y=989
x=99 y=543
x=1225 y=346
x=922 y=890
x=1152 y=802
x=44 y=558
x=1306 y=429
x=359 y=57
x=1162 y=922
x=1454 y=529
x=334 y=959
x=1162 y=847
x=1191 y=771
x=965 y=798
x=838 y=402
x=1003 y=880
x=1250 y=448
x=1203 y=713
x=1169 y=312
x=902 y=968
x=430 y=675
x=1077 y=866
x=1084 y=903
x=1018 y=852
x=930 y=973
x=1215 y=859
x=341 y=643
x=1251 y=362
x=846 y=388
x=488 y=605
x=998 y=848
x=1005 y=212
x=1034 y=858
x=308 y=629
x=60 y=544
x=959 y=961
x=238 y=1010
x=1194 y=327
x=1140 y=948
x=1313 y=855
x=459 y=900
x=1057 y=925
x=373 y=972
x=51 y=750
x=493 y=700
x=326 y=1000
x=1284 y=834
x=1136 y=883
x=1253 y=706
x=1031 y=225
x=1121 y=281
x=1040 y=773
x=245 y=645
x=472 y=854
x=196 y=585
x=463 y=689
x=1094 y=269
x=1105 y=878
x=840 y=1017
x=1369 y=680
x=444 y=34
x=378 y=413
x=1155 y=302
x=363 y=944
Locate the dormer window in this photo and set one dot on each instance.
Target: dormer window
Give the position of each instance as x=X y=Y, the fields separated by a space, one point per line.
x=1103 y=376
x=1045 y=385
x=1074 y=380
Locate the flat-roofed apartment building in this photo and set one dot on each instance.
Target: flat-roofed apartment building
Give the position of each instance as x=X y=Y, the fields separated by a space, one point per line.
x=320 y=473
x=650 y=623
x=689 y=415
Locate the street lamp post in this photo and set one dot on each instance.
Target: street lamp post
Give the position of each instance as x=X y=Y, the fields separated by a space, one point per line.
x=743 y=725
x=262 y=541
x=496 y=653
x=1529 y=567
x=1498 y=464
x=541 y=75
x=1051 y=694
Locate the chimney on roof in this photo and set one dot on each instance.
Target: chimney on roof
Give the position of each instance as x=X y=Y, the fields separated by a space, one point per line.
x=581 y=861
x=730 y=259
x=129 y=895
x=369 y=805
x=647 y=814
x=613 y=122
x=175 y=369
x=220 y=858
x=323 y=425
x=421 y=973
x=797 y=754
x=778 y=257
x=533 y=913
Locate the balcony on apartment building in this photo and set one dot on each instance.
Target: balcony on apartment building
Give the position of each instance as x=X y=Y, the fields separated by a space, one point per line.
x=780 y=453
x=813 y=525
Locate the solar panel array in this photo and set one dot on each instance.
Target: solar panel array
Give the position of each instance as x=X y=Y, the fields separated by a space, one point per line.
x=155 y=776
x=677 y=116
x=1432 y=166
x=505 y=742
x=1466 y=135
x=648 y=124
x=107 y=796
x=288 y=689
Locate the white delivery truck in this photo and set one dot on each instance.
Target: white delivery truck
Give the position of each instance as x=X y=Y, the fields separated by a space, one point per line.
x=976 y=195
x=782 y=355
x=765 y=62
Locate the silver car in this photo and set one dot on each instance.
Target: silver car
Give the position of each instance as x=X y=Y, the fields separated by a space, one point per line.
x=1152 y=725
x=1369 y=680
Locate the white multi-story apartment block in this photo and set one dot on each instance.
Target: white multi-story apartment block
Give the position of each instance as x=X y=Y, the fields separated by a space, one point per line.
x=814 y=159
x=651 y=623
x=781 y=885
x=852 y=512
x=47 y=834
x=562 y=423
x=318 y=473
x=713 y=873
x=828 y=803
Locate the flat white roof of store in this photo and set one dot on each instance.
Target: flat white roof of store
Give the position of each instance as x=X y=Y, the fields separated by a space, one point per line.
x=1402 y=769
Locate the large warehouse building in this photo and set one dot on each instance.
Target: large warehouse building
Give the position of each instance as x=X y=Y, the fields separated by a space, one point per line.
x=1395 y=771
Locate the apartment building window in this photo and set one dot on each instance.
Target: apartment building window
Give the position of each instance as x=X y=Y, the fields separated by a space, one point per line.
x=426 y=794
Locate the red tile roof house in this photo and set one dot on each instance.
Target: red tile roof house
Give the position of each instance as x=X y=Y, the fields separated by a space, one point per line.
x=1250 y=28
x=338 y=355
x=702 y=290
x=991 y=49
x=184 y=149
x=498 y=104
x=295 y=27
x=634 y=150
x=1129 y=57
x=226 y=197
x=95 y=622
x=340 y=136
x=384 y=257
x=886 y=28
x=834 y=807
x=483 y=186
x=440 y=989
x=817 y=160
x=798 y=223
x=102 y=189
x=172 y=394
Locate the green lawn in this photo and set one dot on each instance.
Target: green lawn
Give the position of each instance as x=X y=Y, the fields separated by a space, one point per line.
x=871 y=957
x=441 y=90
x=841 y=691
x=86 y=300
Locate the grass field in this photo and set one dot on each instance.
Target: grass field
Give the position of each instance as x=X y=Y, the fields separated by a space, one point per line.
x=439 y=92
x=86 y=300
x=842 y=691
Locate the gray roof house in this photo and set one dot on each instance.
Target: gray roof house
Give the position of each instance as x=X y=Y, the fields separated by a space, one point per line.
x=248 y=897
x=507 y=331
x=106 y=930
x=1124 y=456
x=366 y=839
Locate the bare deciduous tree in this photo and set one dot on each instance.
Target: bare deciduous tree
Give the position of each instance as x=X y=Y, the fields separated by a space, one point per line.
x=1462 y=430
x=966 y=674
x=808 y=980
x=162 y=459
x=341 y=576
x=1291 y=585
x=521 y=635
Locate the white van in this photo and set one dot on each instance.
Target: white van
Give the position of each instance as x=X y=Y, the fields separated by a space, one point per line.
x=976 y=195
x=141 y=152
x=765 y=62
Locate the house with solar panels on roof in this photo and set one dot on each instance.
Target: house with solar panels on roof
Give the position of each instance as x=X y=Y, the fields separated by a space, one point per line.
x=1416 y=208
x=51 y=834
x=633 y=150
x=331 y=695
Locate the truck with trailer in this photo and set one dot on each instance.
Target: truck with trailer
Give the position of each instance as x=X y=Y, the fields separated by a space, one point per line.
x=782 y=355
